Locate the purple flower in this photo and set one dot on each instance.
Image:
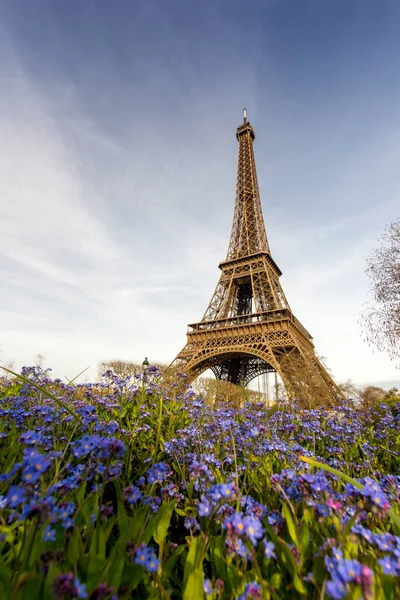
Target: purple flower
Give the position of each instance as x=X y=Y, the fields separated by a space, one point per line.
x=227 y=490
x=152 y=501
x=49 y=534
x=34 y=465
x=135 y=495
x=237 y=546
x=253 y=529
x=385 y=541
x=237 y=521
x=146 y=557
x=64 y=513
x=30 y=438
x=191 y=523
x=204 y=507
x=158 y=472
x=336 y=589
x=363 y=532
x=269 y=549
x=322 y=510
x=15 y=496
x=373 y=492
x=252 y=591
x=207 y=587
x=349 y=570
x=79 y=589
x=390 y=566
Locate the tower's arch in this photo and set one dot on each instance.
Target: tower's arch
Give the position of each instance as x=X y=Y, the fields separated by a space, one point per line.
x=255 y=363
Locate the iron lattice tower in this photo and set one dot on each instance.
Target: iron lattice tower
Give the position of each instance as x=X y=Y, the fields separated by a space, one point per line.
x=249 y=328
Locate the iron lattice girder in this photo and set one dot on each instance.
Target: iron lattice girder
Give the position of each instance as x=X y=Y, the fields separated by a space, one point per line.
x=248 y=230
x=261 y=272
x=248 y=322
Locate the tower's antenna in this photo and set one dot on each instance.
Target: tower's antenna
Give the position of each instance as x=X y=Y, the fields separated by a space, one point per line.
x=245 y=115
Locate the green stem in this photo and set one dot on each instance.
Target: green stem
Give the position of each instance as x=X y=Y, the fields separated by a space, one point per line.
x=20 y=551
x=31 y=541
x=158 y=428
x=162 y=589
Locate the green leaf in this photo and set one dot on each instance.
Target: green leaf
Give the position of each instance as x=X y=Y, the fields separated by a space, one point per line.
x=52 y=573
x=150 y=528
x=74 y=546
x=193 y=574
x=304 y=534
x=108 y=527
x=395 y=520
x=308 y=515
x=116 y=569
x=98 y=544
x=165 y=514
x=136 y=523
x=87 y=508
x=81 y=493
x=121 y=512
x=5 y=579
x=275 y=581
x=290 y=563
x=97 y=559
x=96 y=569
x=193 y=557
x=194 y=588
x=132 y=575
x=343 y=476
x=291 y=525
x=31 y=587
x=217 y=552
x=172 y=559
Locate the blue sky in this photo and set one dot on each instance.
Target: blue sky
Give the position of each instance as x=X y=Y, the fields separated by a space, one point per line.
x=118 y=166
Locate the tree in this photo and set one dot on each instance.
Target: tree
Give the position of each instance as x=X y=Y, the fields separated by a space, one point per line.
x=381 y=319
x=371 y=396
x=351 y=392
x=124 y=368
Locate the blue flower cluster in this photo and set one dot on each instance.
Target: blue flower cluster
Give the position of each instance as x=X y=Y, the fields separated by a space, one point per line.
x=146 y=557
x=344 y=572
x=215 y=496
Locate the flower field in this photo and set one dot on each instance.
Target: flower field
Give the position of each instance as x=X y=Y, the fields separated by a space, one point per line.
x=132 y=489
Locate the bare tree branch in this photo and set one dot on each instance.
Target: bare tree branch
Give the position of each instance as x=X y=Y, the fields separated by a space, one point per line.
x=381 y=318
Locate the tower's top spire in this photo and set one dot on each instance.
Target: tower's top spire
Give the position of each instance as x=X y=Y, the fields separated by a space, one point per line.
x=248 y=230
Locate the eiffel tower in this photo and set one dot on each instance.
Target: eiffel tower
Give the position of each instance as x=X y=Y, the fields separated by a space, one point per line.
x=249 y=328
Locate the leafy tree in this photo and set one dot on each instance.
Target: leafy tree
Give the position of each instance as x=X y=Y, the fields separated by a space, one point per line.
x=381 y=319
